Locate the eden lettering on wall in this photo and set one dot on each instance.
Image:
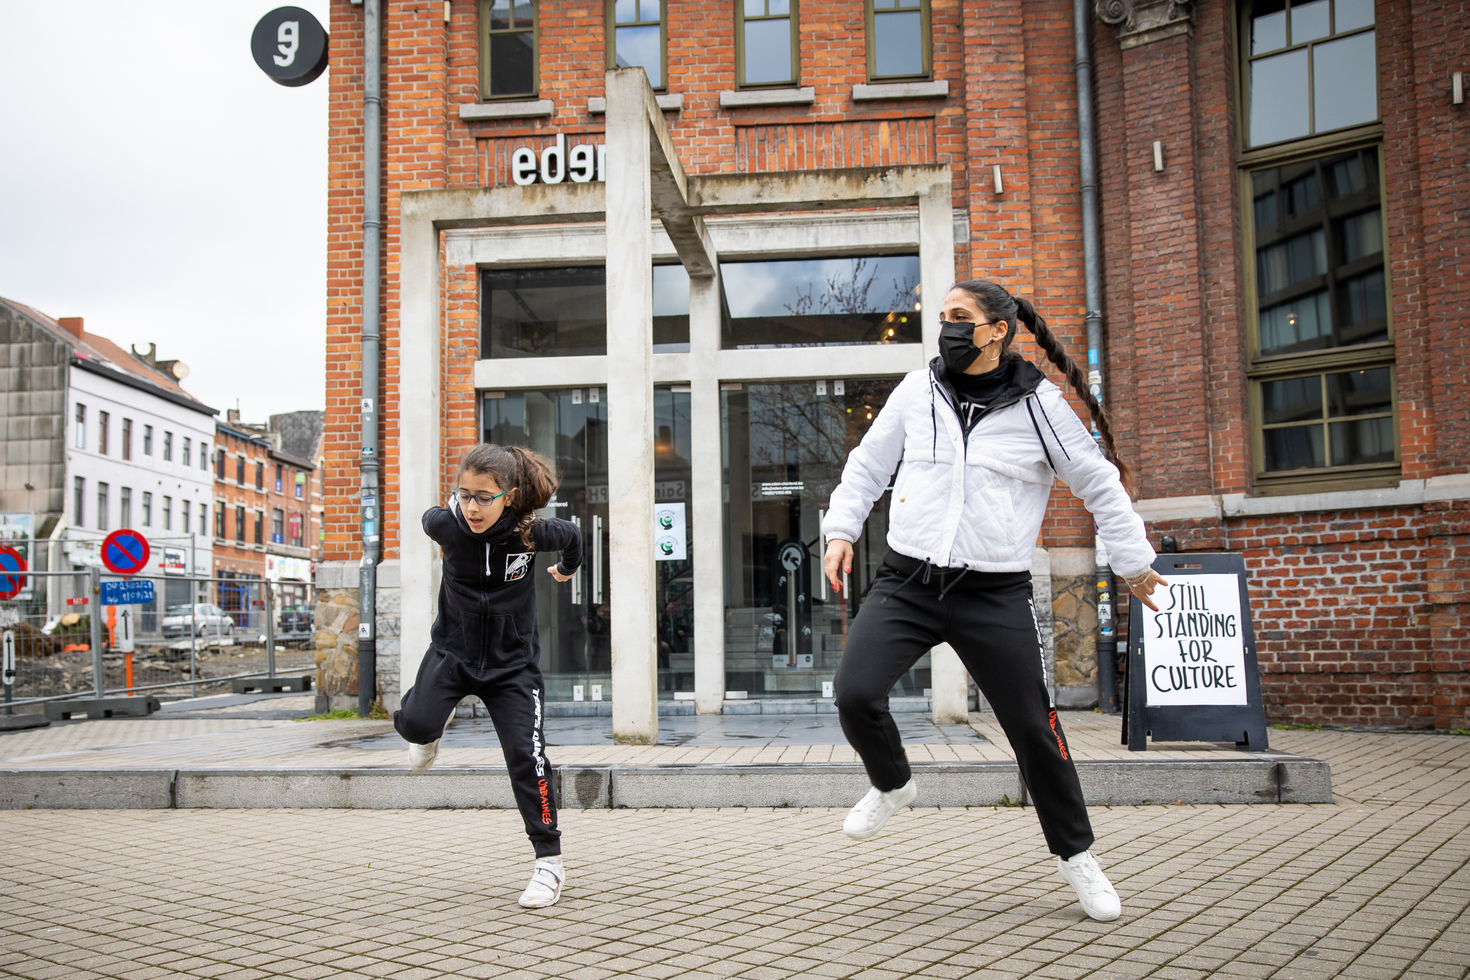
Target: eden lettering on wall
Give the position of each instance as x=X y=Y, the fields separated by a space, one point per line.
x=579 y=164
x=1193 y=647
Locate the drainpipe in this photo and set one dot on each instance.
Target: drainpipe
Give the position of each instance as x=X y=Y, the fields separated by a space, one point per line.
x=1107 y=680
x=372 y=233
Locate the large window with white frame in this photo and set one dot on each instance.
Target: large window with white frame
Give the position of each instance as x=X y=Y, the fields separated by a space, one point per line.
x=1322 y=379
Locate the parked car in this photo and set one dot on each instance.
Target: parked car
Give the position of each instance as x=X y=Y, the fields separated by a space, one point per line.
x=295 y=621
x=209 y=621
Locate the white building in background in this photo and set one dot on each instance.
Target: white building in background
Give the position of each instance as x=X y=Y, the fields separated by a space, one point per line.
x=137 y=456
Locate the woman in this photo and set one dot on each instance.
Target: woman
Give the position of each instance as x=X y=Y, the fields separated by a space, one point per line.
x=981 y=434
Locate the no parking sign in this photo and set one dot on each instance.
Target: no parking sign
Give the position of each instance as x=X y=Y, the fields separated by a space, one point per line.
x=125 y=552
x=11 y=563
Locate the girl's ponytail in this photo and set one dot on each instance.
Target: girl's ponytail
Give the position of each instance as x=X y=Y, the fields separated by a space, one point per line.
x=536 y=483
x=1049 y=344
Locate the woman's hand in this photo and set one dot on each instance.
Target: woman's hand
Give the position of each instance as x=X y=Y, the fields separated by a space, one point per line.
x=837 y=562
x=558 y=575
x=1143 y=587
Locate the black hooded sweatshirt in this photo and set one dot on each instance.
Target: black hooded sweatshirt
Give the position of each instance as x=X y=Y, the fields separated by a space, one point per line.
x=487 y=596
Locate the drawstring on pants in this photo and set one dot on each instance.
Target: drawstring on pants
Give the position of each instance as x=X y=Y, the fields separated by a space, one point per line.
x=926 y=568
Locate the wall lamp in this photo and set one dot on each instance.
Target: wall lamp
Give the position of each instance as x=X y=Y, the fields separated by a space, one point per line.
x=1158 y=157
x=1457 y=88
x=999 y=186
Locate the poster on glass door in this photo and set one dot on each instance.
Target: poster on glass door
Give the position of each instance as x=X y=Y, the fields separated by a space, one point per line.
x=669 y=542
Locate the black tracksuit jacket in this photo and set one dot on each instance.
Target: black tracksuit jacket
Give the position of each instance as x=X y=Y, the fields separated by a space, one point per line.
x=485 y=643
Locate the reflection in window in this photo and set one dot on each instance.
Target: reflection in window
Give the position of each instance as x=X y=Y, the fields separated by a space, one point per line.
x=638 y=37
x=821 y=302
x=507 y=48
x=897 y=41
x=1312 y=67
x=1318 y=421
x=1319 y=257
x=767 y=42
x=563 y=311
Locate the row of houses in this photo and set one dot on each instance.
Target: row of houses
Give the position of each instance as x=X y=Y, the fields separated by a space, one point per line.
x=98 y=438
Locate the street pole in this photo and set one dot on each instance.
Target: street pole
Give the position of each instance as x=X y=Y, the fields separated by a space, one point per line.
x=94 y=605
x=372 y=232
x=270 y=630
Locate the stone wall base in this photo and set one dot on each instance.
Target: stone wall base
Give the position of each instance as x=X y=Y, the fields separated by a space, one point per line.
x=336 y=635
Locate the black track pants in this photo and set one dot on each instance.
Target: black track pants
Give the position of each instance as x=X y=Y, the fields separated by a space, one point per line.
x=989 y=620
x=514 y=697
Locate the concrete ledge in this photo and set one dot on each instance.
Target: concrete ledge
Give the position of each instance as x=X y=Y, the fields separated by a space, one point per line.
x=833 y=785
x=17 y=723
x=1303 y=781
x=673 y=102
x=85 y=789
x=900 y=90
x=477 y=111
x=767 y=96
x=362 y=789
x=1135 y=783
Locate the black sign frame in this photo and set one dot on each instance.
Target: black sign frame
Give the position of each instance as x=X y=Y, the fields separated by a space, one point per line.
x=1243 y=724
x=309 y=47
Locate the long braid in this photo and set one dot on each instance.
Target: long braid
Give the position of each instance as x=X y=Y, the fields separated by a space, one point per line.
x=1048 y=342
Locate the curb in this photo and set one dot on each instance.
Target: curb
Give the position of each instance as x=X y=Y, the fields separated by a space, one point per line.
x=1260 y=779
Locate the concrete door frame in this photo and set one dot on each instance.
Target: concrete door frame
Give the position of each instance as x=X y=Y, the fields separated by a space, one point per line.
x=645 y=180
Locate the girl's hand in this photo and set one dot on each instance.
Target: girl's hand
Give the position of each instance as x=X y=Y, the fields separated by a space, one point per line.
x=1143 y=587
x=837 y=562
x=558 y=575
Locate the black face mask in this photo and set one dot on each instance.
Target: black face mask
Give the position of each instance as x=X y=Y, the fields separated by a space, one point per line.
x=957 y=345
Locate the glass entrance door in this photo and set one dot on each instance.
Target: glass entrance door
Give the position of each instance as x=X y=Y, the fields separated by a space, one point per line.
x=784 y=449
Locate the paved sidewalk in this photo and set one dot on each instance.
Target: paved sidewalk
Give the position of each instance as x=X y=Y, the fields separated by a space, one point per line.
x=1375 y=885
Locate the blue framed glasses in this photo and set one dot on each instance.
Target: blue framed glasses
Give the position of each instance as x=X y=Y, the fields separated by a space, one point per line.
x=483 y=499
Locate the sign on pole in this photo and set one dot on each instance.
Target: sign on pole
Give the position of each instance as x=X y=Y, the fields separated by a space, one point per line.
x=1192 y=674
x=7 y=659
x=290 y=46
x=134 y=592
x=123 y=633
x=125 y=552
x=12 y=568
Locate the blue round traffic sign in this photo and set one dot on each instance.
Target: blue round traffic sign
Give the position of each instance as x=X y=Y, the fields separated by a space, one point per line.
x=11 y=563
x=125 y=552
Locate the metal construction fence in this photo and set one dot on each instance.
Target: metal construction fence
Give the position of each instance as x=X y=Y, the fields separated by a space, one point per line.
x=91 y=634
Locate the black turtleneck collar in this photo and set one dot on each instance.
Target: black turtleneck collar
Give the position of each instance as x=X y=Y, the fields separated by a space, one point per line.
x=496 y=533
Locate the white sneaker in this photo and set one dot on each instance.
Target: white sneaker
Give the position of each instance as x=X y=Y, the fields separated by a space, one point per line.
x=421 y=757
x=545 y=886
x=872 y=811
x=1093 y=889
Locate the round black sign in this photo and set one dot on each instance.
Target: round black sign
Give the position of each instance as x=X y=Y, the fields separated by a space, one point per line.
x=290 y=46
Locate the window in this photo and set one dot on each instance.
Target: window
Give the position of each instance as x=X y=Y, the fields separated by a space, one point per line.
x=204 y=521
x=184 y=457
x=168 y=446
x=101 y=506
x=260 y=527
x=147 y=509
x=147 y=440
x=102 y=427
x=239 y=524
x=300 y=485
x=184 y=516
x=1311 y=67
x=636 y=37
x=508 y=63
x=204 y=456
x=125 y=507
x=168 y=513
x=278 y=478
x=821 y=302
x=240 y=470
x=219 y=463
x=127 y=439
x=79 y=501
x=898 y=39
x=766 y=47
x=278 y=526
x=297 y=521
x=219 y=519
x=259 y=475
x=79 y=435
x=545 y=312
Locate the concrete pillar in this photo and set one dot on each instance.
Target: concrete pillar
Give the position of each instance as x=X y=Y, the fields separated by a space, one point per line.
x=949 y=684
x=708 y=497
x=630 y=409
x=420 y=455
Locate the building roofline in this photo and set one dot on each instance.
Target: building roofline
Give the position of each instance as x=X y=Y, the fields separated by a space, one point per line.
x=122 y=377
x=286 y=457
x=241 y=434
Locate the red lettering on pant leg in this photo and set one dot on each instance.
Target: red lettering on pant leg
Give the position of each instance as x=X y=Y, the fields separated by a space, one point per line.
x=545 y=804
x=1060 y=744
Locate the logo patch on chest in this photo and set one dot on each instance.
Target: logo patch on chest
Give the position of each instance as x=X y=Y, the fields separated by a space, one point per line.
x=517 y=565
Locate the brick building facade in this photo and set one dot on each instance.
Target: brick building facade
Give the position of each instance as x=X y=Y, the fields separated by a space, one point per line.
x=1356 y=545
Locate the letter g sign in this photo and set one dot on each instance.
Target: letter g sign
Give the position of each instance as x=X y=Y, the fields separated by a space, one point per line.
x=290 y=46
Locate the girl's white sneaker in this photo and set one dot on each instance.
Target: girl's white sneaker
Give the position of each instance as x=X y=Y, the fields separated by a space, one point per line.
x=545 y=886
x=1093 y=889
x=872 y=811
x=421 y=757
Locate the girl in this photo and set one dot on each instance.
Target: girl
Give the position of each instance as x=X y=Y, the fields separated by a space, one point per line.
x=485 y=641
x=981 y=433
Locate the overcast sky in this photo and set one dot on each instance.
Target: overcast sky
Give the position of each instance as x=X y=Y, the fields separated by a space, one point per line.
x=156 y=183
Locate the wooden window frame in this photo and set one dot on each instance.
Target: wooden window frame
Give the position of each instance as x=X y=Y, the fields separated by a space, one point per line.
x=925 y=37
x=484 y=32
x=740 y=18
x=611 y=25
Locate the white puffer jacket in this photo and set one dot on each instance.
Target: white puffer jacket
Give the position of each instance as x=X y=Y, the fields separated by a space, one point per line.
x=980 y=506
